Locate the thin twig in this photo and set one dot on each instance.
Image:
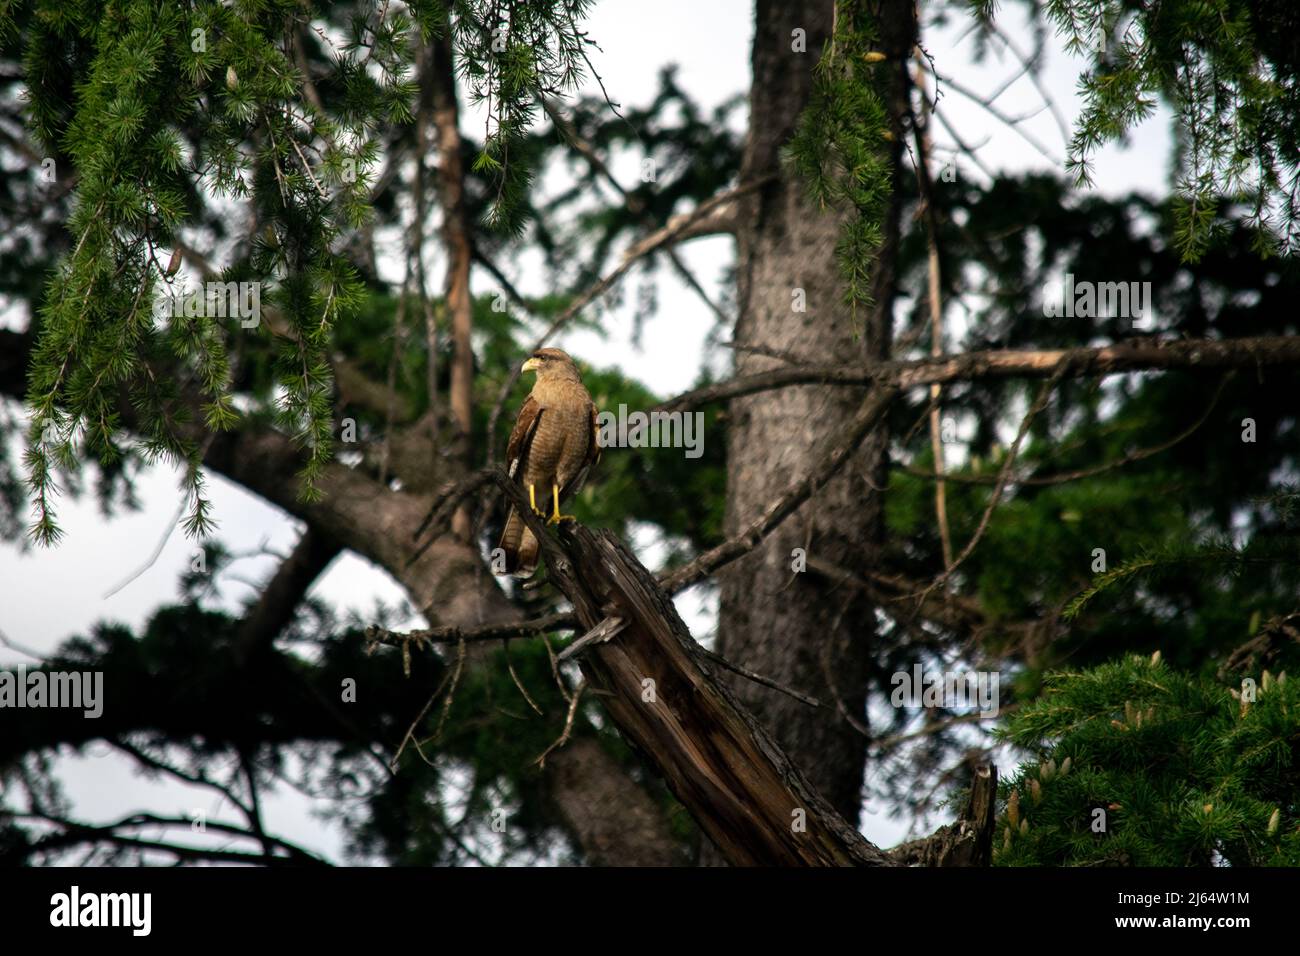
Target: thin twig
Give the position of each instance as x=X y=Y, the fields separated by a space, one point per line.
x=505 y=647
x=376 y=636
x=14 y=646
x=921 y=134
x=1044 y=393
x=936 y=726
x=1062 y=477
x=758 y=678
x=991 y=364
x=568 y=724
x=153 y=558
x=1011 y=122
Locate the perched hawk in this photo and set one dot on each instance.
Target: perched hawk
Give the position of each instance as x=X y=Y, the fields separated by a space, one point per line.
x=551 y=449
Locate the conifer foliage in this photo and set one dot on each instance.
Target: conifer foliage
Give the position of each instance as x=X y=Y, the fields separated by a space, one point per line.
x=1230 y=69
x=1138 y=764
x=157 y=108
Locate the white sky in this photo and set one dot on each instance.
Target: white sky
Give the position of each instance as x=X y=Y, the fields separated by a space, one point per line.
x=48 y=595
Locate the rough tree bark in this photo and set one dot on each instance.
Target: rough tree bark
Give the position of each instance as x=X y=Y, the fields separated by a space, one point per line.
x=966 y=842
x=797 y=628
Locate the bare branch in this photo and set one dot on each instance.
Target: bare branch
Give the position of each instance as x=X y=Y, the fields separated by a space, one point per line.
x=280 y=598
x=74 y=833
x=921 y=135
x=197 y=779
x=20 y=648
x=1135 y=356
x=1004 y=475
x=844 y=445
x=378 y=636
x=1012 y=122
x=1031 y=65
x=448 y=501
x=757 y=678
x=936 y=726
x=972 y=152
x=574 y=700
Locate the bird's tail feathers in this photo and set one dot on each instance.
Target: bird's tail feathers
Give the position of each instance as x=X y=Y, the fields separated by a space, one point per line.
x=520 y=547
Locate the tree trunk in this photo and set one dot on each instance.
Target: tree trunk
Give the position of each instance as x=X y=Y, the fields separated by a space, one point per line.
x=456 y=238
x=796 y=628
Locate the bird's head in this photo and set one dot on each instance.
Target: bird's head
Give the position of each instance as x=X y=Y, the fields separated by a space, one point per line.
x=552 y=363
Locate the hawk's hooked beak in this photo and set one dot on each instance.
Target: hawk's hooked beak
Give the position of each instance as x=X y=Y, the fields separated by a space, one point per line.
x=532 y=365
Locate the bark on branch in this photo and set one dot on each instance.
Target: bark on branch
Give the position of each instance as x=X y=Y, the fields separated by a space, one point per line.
x=1006 y=363
x=968 y=841
x=663 y=695
x=275 y=609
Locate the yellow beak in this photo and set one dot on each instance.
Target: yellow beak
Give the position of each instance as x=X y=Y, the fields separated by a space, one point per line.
x=532 y=365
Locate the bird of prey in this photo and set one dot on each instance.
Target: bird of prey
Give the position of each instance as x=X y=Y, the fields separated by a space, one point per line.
x=551 y=450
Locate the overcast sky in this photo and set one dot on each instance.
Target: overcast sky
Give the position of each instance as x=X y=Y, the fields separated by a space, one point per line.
x=48 y=595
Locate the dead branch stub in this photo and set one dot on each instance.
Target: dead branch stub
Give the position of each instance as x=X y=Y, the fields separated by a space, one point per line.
x=665 y=698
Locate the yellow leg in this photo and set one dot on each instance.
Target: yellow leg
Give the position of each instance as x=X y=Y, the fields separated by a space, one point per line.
x=556 y=518
x=532 y=499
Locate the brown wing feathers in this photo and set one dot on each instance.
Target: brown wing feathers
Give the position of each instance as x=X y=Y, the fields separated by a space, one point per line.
x=522 y=433
x=553 y=444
